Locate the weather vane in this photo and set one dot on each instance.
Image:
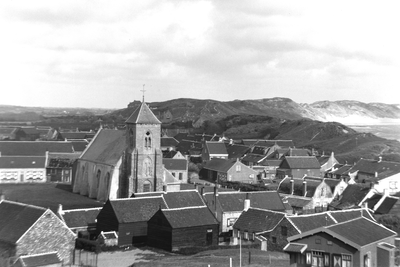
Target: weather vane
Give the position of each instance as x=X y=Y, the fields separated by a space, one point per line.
x=143 y=93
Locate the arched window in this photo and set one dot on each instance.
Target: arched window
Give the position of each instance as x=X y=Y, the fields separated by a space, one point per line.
x=108 y=181
x=98 y=178
x=147 y=140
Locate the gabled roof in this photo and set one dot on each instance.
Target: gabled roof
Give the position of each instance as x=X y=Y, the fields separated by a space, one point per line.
x=175 y=164
x=168 y=141
x=106 y=147
x=353 y=232
x=80 y=217
x=297 y=201
x=220 y=165
x=234 y=201
x=18 y=162
x=375 y=166
x=298 y=162
x=79 y=145
x=143 y=115
x=304 y=223
x=34 y=148
x=36 y=260
x=343 y=170
x=189 y=217
x=216 y=148
x=16 y=218
x=177 y=199
x=347 y=215
x=258 y=220
x=129 y=210
x=351 y=197
x=236 y=151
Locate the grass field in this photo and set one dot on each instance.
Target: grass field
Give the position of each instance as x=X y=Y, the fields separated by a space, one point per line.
x=48 y=195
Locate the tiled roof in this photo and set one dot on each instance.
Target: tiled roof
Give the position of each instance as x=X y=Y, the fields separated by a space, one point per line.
x=272 y=162
x=175 y=164
x=351 y=196
x=258 y=220
x=252 y=158
x=297 y=202
x=189 y=217
x=234 y=201
x=30 y=130
x=258 y=150
x=371 y=166
x=168 y=141
x=137 y=209
x=357 y=231
x=343 y=170
x=220 y=165
x=77 y=135
x=182 y=199
x=16 y=218
x=44 y=259
x=79 y=145
x=216 y=148
x=236 y=151
x=295 y=162
x=347 y=215
x=143 y=115
x=386 y=205
x=306 y=223
x=17 y=162
x=107 y=147
x=80 y=217
x=34 y=148
x=7 y=131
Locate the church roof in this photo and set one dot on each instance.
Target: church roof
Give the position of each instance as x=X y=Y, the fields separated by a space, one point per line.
x=143 y=115
x=107 y=147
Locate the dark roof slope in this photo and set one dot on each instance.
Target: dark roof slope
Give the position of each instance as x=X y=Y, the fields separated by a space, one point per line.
x=137 y=209
x=285 y=187
x=258 y=220
x=143 y=115
x=357 y=231
x=216 y=147
x=375 y=166
x=306 y=223
x=80 y=217
x=16 y=218
x=183 y=199
x=175 y=164
x=299 y=162
x=34 y=148
x=220 y=165
x=15 y=162
x=347 y=215
x=351 y=196
x=236 y=151
x=107 y=147
x=189 y=217
x=168 y=141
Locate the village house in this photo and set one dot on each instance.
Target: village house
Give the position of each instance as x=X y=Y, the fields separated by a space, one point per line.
x=214 y=149
x=80 y=221
x=180 y=228
x=227 y=206
x=351 y=197
x=178 y=167
x=29 y=230
x=368 y=170
x=128 y=217
x=168 y=144
x=222 y=170
x=343 y=244
x=23 y=169
x=298 y=166
x=327 y=162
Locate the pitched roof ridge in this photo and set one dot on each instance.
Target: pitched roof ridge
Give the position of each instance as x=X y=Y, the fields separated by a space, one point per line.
x=40 y=254
x=292 y=223
x=273 y=211
x=24 y=204
x=83 y=209
x=134 y=198
x=185 y=208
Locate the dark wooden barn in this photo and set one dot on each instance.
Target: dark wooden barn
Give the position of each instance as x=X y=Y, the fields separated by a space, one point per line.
x=176 y=229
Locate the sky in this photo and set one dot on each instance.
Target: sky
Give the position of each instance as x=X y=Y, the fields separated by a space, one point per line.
x=103 y=53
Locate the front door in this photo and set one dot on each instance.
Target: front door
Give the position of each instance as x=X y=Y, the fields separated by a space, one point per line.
x=209 y=237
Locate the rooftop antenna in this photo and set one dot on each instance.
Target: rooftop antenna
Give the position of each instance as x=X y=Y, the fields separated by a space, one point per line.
x=143 y=93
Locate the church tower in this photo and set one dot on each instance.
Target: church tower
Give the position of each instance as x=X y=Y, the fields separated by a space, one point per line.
x=143 y=153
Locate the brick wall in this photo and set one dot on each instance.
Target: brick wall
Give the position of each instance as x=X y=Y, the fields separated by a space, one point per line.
x=48 y=234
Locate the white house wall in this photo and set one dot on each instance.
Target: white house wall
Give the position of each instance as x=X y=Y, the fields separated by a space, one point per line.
x=37 y=175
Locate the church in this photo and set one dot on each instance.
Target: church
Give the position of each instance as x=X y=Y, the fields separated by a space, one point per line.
x=117 y=164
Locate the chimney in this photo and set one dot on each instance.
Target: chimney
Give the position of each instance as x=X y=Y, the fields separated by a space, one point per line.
x=202 y=190
x=165 y=189
x=247 y=202
x=291 y=186
x=60 y=210
x=304 y=188
x=215 y=190
x=380 y=159
x=376 y=174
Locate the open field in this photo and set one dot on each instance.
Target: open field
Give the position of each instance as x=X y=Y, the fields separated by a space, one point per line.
x=148 y=257
x=47 y=195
